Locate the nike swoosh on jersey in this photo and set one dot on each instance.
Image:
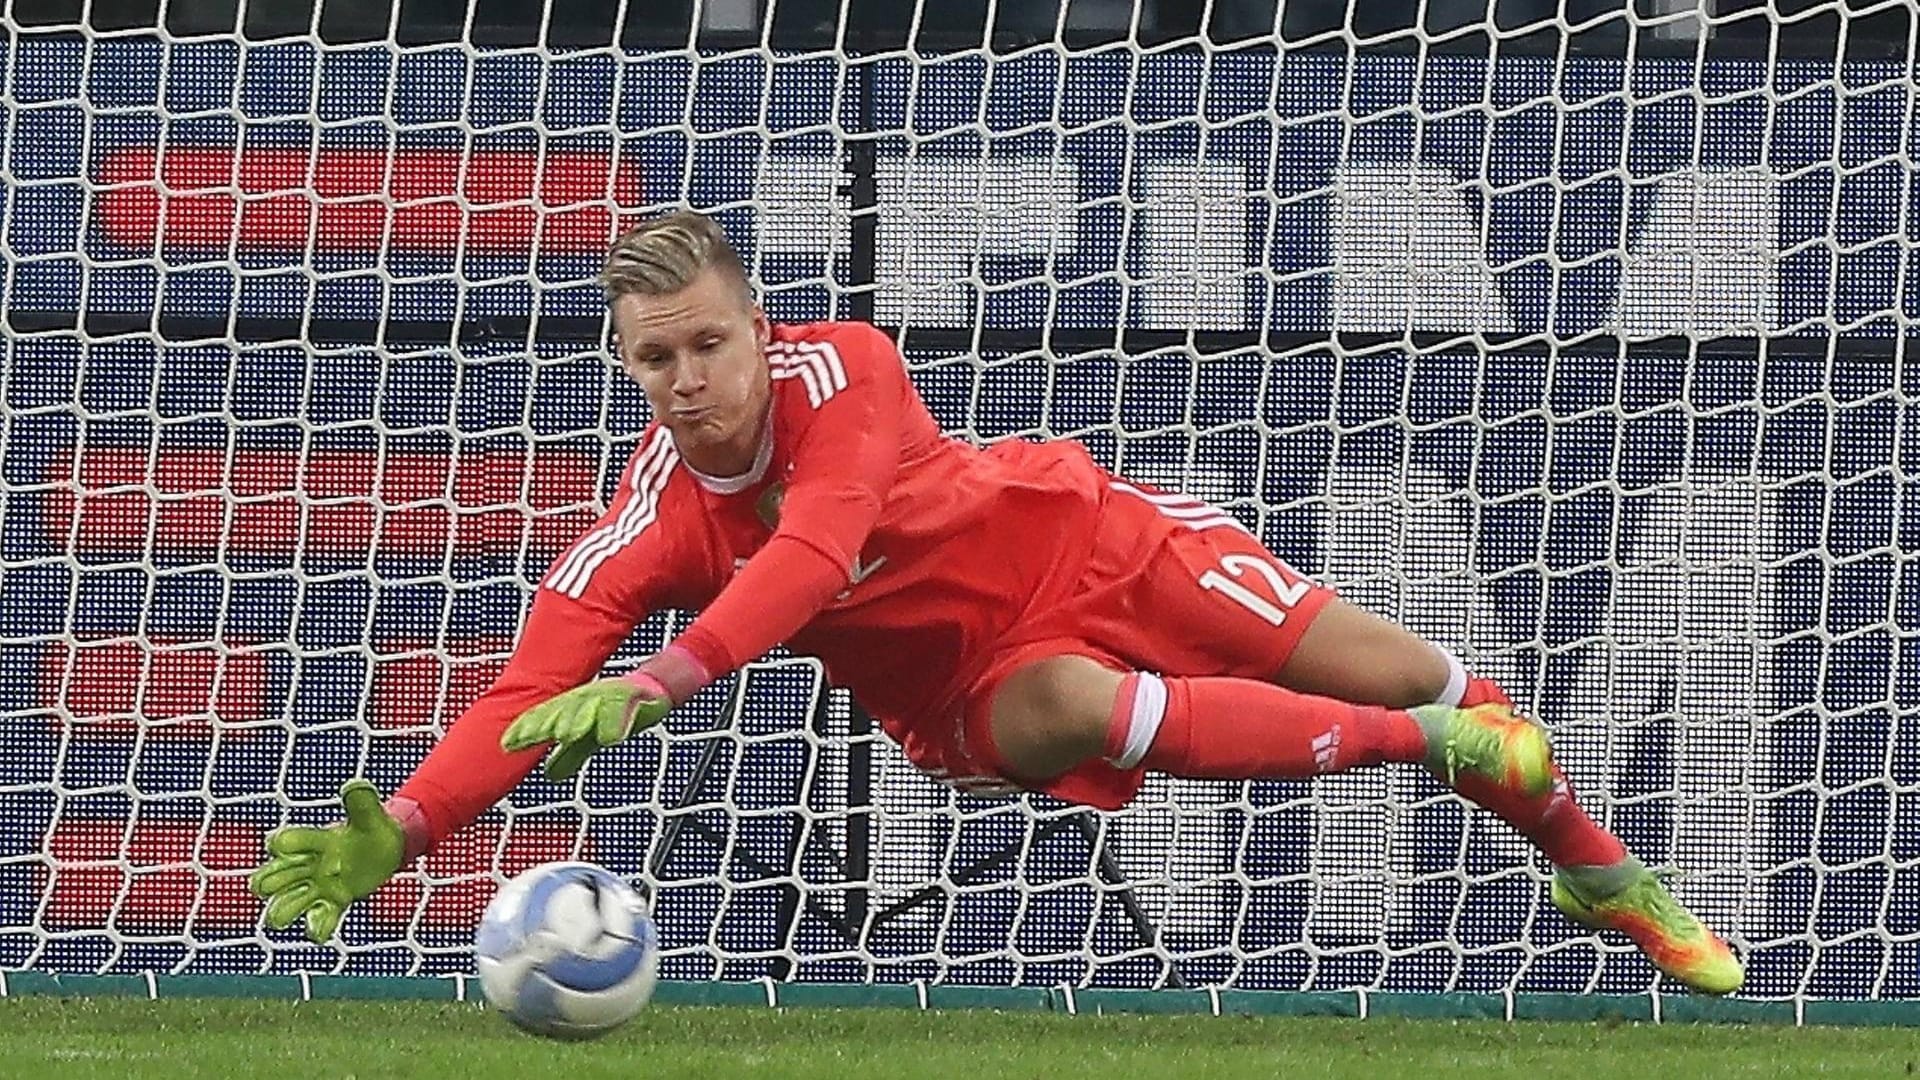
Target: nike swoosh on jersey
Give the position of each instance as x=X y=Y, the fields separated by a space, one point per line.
x=861 y=572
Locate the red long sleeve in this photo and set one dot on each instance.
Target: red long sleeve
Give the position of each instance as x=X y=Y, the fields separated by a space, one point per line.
x=773 y=596
x=564 y=644
x=592 y=598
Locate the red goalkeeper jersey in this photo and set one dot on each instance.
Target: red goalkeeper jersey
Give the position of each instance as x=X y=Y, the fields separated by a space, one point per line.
x=861 y=536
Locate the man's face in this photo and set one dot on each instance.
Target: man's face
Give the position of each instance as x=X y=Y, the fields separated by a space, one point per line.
x=700 y=355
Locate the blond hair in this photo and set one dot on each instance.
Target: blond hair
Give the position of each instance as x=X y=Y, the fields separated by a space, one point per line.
x=665 y=254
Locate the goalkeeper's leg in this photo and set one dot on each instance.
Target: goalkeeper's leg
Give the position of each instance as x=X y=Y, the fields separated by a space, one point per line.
x=1053 y=715
x=1596 y=882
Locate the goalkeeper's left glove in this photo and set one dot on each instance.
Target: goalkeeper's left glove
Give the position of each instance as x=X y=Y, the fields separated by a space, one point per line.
x=604 y=711
x=318 y=872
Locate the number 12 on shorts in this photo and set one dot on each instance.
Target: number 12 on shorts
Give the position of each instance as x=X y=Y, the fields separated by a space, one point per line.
x=1285 y=594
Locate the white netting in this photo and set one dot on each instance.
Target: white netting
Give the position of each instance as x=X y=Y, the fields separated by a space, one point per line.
x=1588 y=364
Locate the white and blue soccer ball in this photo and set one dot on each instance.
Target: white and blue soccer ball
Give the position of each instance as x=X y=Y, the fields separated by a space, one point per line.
x=567 y=950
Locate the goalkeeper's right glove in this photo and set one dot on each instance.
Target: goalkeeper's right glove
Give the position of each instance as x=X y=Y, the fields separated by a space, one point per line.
x=605 y=711
x=586 y=718
x=318 y=872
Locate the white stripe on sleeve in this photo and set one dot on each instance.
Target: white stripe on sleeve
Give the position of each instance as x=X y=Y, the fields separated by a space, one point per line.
x=1186 y=510
x=590 y=552
x=816 y=364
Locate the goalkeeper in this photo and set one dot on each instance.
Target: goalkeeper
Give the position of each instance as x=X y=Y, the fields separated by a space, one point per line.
x=1015 y=617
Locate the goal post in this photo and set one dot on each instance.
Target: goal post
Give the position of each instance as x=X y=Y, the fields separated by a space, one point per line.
x=1590 y=365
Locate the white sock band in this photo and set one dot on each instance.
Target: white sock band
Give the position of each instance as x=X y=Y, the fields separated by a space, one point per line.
x=1149 y=708
x=1456 y=680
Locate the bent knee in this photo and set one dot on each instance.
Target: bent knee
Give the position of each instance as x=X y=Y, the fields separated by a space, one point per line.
x=1052 y=715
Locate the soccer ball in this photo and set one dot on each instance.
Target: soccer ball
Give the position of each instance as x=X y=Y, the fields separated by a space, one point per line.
x=567 y=950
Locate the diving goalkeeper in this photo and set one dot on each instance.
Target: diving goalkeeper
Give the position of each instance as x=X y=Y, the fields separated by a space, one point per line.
x=1015 y=617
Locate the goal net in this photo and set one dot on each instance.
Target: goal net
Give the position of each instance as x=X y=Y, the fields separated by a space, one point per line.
x=1590 y=364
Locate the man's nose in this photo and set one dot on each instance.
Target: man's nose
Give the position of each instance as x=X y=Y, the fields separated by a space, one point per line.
x=689 y=379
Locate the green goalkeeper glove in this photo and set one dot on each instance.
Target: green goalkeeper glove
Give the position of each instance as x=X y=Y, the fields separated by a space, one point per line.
x=586 y=718
x=318 y=872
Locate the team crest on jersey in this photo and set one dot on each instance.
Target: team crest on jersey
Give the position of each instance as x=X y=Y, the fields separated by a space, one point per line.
x=768 y=505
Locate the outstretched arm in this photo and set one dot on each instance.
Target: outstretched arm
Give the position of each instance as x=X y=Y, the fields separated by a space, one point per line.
x=592 y=600
x=316 y=873
x=565 y=643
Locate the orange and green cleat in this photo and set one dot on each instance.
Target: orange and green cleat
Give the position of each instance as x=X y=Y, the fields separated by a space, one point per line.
x=1677 y=942
x=1490 y=742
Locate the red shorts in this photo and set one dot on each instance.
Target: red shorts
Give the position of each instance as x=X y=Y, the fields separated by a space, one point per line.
x=1174 y=587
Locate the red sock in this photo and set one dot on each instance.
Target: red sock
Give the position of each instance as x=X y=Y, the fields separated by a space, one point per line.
x=1554 y=821
x=1243 y=729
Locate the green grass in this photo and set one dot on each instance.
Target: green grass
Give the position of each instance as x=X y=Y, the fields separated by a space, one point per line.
x=128 y=1039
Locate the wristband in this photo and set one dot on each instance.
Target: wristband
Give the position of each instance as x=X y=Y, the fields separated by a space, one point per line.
x=413 y=824
x=673 y=673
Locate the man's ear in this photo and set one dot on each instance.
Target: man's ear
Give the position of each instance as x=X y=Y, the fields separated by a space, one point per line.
x=762 y=327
